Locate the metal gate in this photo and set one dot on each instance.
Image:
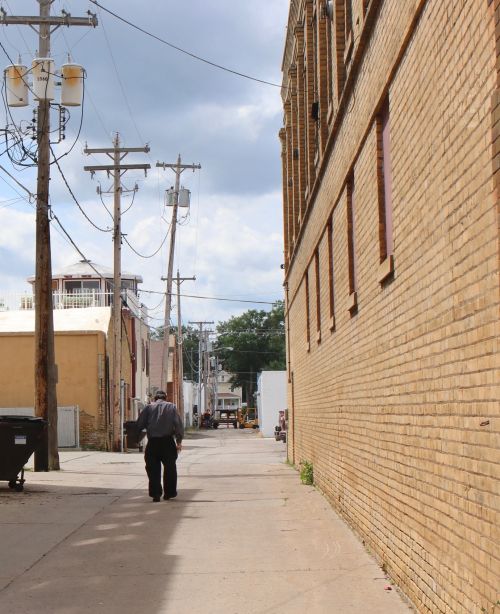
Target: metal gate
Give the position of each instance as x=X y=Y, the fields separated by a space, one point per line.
x=68 y=423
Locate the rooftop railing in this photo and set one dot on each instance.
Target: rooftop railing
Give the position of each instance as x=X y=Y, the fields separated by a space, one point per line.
x=74 y=300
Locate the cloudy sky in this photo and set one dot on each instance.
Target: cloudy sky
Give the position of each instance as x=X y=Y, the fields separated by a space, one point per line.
x=150 y=93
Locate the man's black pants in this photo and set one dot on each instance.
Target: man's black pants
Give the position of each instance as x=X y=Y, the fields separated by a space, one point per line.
x=161 y=450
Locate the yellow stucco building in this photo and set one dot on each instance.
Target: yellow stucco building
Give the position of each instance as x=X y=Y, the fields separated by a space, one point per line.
x=83 y=352
x=81 y=358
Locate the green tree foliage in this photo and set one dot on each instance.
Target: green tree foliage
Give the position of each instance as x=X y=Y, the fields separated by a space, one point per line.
x=258 y=342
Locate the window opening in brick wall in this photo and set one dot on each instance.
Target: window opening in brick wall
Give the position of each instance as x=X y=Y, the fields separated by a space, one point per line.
x=387 y=169
x=348 y=31
x=331 y=289
x=351 y=245
x=339 y=48
x=314 y=27
x=348 y=18
x=384 y=179
x=318 y=295
x=309 y=65
x=301 y=129
x=308 y=314
x=329 y=63
x=315 y=104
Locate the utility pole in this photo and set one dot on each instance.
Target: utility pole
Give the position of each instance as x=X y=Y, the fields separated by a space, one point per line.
x=116 y=170
x=47 y=456
x=180 y=369
x=178 y=169
x=206 y=369
x=200 y=363
x=216 y=381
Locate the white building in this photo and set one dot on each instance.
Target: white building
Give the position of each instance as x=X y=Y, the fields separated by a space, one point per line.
x=271 y=398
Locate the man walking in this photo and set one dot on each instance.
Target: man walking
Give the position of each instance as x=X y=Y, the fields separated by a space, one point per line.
x=165 y=432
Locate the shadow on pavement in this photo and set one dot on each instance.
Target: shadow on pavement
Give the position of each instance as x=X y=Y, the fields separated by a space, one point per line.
x=72 y=549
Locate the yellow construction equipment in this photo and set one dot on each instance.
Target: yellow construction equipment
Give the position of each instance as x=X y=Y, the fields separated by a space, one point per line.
x=247 y=418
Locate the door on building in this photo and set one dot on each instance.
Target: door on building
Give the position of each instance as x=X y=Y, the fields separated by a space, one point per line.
x=68 y=428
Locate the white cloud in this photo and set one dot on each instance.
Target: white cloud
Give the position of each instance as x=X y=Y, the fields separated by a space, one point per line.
x=150 y=93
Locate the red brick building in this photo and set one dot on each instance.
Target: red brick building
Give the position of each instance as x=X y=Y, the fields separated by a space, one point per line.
x=390 y=154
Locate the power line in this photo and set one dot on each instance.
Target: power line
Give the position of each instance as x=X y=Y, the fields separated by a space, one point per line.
x=31 y=195
x=189 y=53
x=215 y=298
x=143 y=255
x=120 y=83
x=75 y=199
x=19 y=30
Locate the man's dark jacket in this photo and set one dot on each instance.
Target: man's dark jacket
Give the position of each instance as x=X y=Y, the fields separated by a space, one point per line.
x=160 y=419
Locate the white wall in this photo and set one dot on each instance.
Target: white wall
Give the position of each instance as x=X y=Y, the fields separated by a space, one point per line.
x=189 y=399
x=141 y=379
x=271 y=398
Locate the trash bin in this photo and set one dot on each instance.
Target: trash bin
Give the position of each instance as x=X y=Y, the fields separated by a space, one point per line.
x=134 y=436
x=19 y=438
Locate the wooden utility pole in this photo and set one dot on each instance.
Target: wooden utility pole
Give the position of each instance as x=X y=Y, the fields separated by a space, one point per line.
x=200 y=365
x=180 y=353
x=47 y=456
x=116 y=170
x=178 y=169
x=206 y=369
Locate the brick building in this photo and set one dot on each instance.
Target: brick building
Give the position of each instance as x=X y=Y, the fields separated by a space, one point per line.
x=172 y=386
x=390 y=151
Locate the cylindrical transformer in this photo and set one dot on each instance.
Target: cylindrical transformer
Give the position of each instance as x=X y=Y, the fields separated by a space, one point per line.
x=184 y=197
x=43 y=78
x=72 y=85
x=16 y=85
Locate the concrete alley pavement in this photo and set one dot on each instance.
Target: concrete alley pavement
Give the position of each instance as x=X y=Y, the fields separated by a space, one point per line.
x=244 y=536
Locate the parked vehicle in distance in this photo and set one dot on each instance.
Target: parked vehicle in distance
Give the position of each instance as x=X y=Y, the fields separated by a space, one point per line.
x=226 y=416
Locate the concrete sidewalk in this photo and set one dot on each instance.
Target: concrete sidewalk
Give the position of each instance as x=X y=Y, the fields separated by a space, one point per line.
x=243 y=537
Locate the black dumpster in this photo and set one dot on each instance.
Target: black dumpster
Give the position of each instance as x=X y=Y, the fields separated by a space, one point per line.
x=19 y=438
x=134 y=436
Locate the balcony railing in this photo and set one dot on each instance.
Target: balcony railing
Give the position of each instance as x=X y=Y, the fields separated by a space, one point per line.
x=74 y=300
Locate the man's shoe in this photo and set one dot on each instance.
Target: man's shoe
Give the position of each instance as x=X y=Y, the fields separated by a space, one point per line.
x=156 y=499
x=171 y=497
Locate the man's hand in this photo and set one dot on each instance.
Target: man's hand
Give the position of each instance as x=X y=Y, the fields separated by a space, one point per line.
x=179 y=447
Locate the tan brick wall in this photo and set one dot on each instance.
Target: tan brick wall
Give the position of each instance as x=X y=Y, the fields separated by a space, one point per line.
x=398 y=407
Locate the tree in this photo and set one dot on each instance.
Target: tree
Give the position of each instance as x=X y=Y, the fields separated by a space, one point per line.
x=189 y=348
x=258 y=342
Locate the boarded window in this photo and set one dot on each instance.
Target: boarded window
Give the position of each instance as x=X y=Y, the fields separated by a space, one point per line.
x=351 y=235
x=385 y=179
x=308 y=314
x=331 y=288
x=318 y=293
